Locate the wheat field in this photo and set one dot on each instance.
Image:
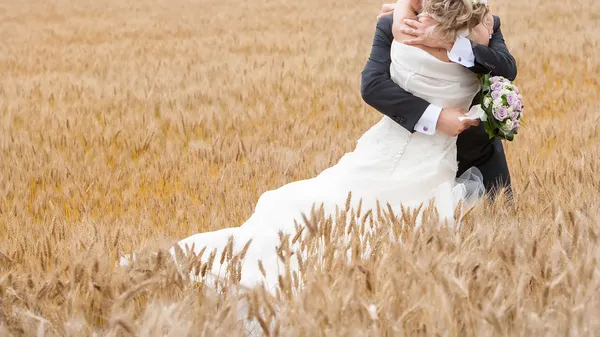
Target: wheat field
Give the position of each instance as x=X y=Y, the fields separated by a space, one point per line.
x=126 y=126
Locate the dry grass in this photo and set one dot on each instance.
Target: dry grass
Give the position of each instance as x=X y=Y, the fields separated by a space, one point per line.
x=127 y=125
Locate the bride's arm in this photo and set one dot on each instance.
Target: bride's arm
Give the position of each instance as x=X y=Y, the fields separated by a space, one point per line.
x=405 y=9
x=481 y=55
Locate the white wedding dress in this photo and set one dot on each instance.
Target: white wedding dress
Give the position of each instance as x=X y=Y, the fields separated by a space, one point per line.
x=389 y=164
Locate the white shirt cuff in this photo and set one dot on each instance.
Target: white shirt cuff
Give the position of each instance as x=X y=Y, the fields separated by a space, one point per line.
x=462 y=52
x=428 y=121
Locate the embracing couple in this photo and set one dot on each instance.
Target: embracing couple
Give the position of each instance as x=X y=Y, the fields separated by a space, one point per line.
x=422 y=75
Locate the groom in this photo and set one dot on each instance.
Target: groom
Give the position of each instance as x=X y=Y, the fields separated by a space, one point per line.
x=416 y=115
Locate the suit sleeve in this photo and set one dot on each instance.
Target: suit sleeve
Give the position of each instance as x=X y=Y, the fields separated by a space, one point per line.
x=494 y=59
x=377 y=88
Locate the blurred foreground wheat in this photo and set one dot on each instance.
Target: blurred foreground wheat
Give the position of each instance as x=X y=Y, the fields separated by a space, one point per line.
x=126 y=126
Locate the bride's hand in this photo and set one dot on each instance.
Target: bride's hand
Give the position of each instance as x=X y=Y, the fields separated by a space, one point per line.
x=450 y=123
x=418 y=29
x=482 y=33
x=386 y=9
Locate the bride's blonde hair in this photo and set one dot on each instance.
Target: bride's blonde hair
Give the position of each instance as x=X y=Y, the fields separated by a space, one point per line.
x=454 y=16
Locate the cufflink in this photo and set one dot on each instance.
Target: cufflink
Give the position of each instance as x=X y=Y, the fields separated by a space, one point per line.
x=425 y=129
x=460 y=59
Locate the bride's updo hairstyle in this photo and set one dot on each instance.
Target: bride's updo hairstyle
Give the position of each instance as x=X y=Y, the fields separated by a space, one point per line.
x=455 y=16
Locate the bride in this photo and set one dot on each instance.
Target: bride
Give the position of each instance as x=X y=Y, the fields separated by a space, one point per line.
x=389 y=164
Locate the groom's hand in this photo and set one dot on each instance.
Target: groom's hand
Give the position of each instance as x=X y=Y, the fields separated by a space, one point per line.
x=449 y=124
x=418 y=30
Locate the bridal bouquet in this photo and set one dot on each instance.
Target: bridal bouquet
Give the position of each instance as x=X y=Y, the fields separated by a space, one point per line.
x=501 y=109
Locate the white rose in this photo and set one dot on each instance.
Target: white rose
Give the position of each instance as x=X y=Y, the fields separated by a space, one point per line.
x=508 y=125
x=498 y=103
x=487 y=101
x=511 y=113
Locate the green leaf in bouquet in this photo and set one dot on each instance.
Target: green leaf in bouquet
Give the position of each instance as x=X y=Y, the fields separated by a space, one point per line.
x=488 y=110
x=494 y=123
x=485 y=83
x=489 y=129
x=488 y=115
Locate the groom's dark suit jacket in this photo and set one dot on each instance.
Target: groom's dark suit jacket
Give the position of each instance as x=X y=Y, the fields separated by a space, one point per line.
x=474 y=146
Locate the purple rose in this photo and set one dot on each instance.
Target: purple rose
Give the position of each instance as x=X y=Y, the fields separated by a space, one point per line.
x=495 y=94
x=511 y=98
x=501 y=113
x=513 y=114
x=496 y=86
x=513 y=101
x=517 y=105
